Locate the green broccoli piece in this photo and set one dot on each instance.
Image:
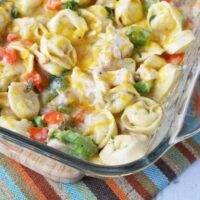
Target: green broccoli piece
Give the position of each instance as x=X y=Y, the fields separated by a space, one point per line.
x=79 y=145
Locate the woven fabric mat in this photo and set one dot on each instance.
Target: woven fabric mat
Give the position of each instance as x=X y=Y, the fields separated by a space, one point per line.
x=18 y=182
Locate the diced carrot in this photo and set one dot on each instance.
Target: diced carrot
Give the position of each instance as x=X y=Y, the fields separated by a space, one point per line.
x=10 y=55
x=53 y=117
x=35 y=76
x=12 y=37
x=175 y=58
x=37 y=80
x=38 y=134
x=54 y=5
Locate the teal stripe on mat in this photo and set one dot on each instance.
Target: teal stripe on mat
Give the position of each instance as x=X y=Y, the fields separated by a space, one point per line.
x=11 y=184
x=157 y=177
x=72 y=191
x=85 y=191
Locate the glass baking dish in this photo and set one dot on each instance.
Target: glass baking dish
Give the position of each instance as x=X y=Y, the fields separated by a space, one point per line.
x=181 y=120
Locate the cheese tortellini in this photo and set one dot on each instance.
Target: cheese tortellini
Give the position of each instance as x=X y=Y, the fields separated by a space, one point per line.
x=90 y=78
x=150 y=49
x=96 y=18
x=81 y=82
x=143 y=116
x=27 y=106
x=111 y=45
x=56 y=53
x=76 y=24
x=26 y=57
x=149 y=69
x=124 y=10
x=29 y=28
x=167 y=27
x=123 y=149
x=8 y=74
x=167 y=76
x=118 y=98
x=101 y=126
x=27 y=7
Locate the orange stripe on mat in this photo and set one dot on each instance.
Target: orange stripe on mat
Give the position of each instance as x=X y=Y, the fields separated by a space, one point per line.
x=28 y=180
x=138 y=187
x=42 y=184
x=116 y=189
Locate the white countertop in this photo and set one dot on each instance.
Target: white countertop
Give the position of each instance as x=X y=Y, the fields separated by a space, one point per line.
x=185 y=187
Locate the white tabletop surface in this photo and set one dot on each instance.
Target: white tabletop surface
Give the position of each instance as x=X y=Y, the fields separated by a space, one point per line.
x=185 y=187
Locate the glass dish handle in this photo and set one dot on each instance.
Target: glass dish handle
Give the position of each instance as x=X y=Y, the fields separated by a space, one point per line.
x=191 y=125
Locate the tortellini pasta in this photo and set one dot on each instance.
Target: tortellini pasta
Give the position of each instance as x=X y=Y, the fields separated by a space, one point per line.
x=167 y=27
x=76 y=25
x=116 y=77
x=142 y=117
x=148 y=70
x=155 y=62
x=129 y=64
x=9 y=74
x=28 y=28
x=56 y=53
x=13 y=124
x=124 y=149
x=179 y=42
x=27 y=7
x=81 y=83
x=101 y=126
x=166 y=20
x=124 y=10
x=167 y=76
x=118 y=98
x=96 y=18
x=111 y=45
x=85 y=88
x=4 y=105
x=147 y=73
x=150 y=49
x=27 y=105
x=26 y=57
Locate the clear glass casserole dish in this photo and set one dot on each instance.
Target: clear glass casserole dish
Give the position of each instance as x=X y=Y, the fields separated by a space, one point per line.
x=181 y=120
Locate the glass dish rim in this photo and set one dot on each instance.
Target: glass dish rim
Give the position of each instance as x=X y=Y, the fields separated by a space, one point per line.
x=85 y=166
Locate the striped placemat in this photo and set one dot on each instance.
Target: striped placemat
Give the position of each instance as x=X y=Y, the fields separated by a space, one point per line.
x=19 y=182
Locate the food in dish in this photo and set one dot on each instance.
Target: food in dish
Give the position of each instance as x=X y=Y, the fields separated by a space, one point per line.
x=88 y=77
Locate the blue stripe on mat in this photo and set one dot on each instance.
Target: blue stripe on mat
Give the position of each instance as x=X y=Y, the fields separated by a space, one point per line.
x=72 y=191
x=157 y=177
x=11 y=184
